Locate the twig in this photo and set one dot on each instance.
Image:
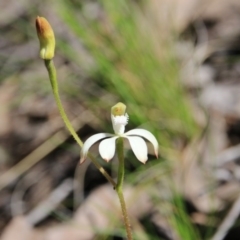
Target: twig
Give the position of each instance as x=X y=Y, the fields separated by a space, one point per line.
x=228 y=155
x=49 y=204
x=78 y=184
x=228 y=221
x=40 y=152
x=17 y=206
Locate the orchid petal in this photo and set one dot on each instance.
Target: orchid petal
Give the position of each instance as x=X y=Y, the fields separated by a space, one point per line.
x=107 y=148
x=90 y=141
x=119 y=123
x=146 y=134
x=139 y=148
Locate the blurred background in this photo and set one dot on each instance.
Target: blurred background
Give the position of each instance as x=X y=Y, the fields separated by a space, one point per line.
x=175 y=64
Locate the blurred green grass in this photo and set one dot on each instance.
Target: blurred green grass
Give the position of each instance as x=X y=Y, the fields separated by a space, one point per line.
x=137 y=65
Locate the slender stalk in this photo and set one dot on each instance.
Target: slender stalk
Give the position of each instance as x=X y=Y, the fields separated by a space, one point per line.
x=119 y=146
x=53 y=79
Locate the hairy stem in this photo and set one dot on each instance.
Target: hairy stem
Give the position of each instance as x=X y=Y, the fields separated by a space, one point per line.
x=53 y=79
x=119 y=146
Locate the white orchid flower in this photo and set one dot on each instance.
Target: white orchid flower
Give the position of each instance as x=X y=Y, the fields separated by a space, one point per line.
x=107 y=146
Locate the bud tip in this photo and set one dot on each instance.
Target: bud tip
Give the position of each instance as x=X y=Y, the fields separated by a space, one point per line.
x=119 y=109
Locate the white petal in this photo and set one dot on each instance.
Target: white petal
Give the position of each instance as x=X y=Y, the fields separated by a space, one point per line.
x=139 y=148
x=146 y=134
x=107 y=148
x=90 y=141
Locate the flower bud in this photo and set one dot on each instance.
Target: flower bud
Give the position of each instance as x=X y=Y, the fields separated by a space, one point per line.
x=46 y=38
x=119 y=109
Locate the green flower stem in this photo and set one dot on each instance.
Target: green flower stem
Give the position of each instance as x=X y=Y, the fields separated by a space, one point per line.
x=53 y=79
x=119 y=146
